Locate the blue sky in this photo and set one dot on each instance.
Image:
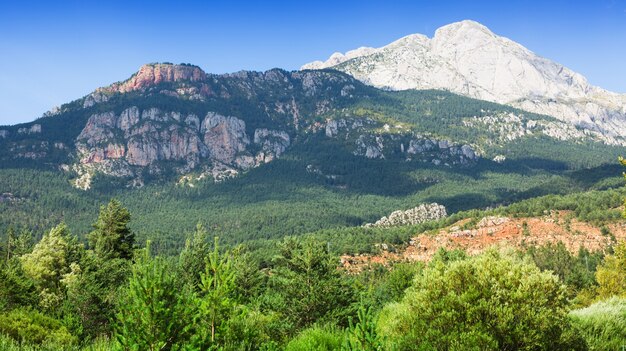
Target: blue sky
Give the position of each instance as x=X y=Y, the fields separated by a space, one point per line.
x=52 y=52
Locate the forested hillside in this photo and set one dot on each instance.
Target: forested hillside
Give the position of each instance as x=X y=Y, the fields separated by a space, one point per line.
x=289 y=294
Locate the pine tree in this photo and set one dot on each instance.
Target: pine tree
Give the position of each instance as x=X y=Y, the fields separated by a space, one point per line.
x=155 y=311
x=111 y=237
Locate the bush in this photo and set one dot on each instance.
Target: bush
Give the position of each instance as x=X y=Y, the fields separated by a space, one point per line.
x=316 y=339
x=489 y=302
x=33 y=327
x=603 y=324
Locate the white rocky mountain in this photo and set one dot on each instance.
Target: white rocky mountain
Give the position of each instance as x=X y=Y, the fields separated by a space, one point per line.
x=468 y=59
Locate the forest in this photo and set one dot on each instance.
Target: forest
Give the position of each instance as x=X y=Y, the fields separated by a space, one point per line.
x=111 y=291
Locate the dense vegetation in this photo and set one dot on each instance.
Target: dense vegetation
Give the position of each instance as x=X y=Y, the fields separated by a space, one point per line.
x=58 y=293
x=282 y=199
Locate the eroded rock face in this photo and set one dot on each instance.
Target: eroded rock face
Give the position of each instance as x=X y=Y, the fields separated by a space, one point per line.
x=124 y=144
x=388 y=141
x=153 y=74
x=224 y=136
x=34 y=129
x=272 y=142
x=94 y=98
x=420 y=214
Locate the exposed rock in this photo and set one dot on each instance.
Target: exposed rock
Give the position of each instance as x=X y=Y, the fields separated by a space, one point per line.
x=421 y=145
x=123 y=145
x=224 y=136
x=153 y=74
x=499 y=159
x=420 y=214
x=193 y=121
x=8 y=198
x=94 y=98
x=4 y=133
x=369 y=146
x=53 y=112
x=468 y=59
x=35 y=128
x=128 y=119
x=491 y=221
x=273 y=142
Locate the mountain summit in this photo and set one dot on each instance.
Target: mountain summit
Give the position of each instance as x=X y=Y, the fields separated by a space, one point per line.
x=467 y=58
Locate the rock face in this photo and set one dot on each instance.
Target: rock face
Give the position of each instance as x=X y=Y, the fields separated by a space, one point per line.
x=224 y=136
x=420 y=214
x=122 y=145
x=34 y=129
x=411 y=145
x=155 y=73
x=468 y=59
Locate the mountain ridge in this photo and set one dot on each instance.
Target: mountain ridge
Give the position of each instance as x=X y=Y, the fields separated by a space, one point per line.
x=467 y=58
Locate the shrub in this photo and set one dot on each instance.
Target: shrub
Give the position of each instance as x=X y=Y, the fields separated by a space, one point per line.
x=316 y=339
x=33 y=327
x=489 y=302
x=603 y=324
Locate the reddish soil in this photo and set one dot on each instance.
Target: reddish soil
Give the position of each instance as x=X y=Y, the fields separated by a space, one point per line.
x=558 y=226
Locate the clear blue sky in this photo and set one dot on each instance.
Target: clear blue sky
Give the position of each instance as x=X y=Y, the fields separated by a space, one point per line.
x=52 y=52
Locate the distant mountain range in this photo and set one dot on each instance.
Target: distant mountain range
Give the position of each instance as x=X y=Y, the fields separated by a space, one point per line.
x=468 y=59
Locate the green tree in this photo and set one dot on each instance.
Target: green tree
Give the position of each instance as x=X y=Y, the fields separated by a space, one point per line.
x=192 y=259
x=52 y=260
x=155 y=311
x=362 y=336
x=603 y=324
x=307 y=286
x=489 y=302
x=216 y=300
x=611 y=274
x=111 y=237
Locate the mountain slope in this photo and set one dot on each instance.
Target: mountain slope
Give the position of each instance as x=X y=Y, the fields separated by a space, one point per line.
x=468 y=59
x=268 y=154
x=176 y=120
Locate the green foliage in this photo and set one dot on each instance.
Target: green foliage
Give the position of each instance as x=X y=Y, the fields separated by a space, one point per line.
x=363 y=336
x=577 y=272
x=16 y=288
x=216 y=301
x=52 y=264
x=602 y=325
x=155 y=311
x=192 y=258
x=306 y=286
x=32 y=327
x=112 y=238
x=611 y=274
x=492 y=301
x=380 y=285
x=316 y=339
x=93 y=296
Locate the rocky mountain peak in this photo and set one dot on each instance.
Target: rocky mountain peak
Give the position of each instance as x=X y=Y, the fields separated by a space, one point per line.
x=468 y=59
x=155 y=73
x=463 y=28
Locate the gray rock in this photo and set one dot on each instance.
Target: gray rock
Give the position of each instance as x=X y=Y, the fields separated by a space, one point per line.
x=420 y=214
x=224 y=136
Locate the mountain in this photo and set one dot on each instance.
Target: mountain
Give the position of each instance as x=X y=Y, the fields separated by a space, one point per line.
x=266 y=154
x=169 y=120
x=174 y=120
x=468 y=59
